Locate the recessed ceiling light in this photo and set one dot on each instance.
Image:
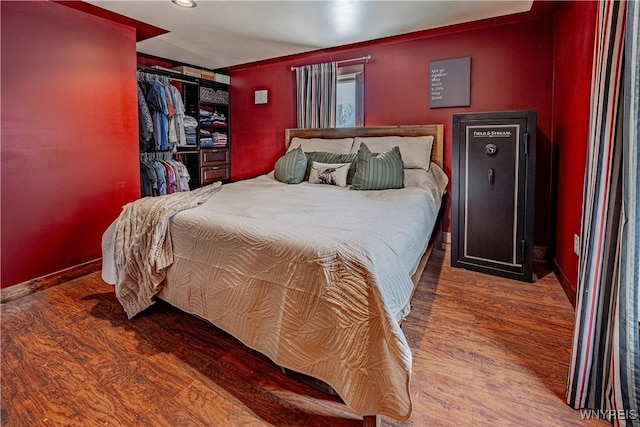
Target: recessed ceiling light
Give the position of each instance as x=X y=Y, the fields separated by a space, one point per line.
x=184 y=3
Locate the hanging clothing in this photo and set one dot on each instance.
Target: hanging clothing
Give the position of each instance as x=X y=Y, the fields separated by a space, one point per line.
x=162 y=180
x=172 y=186
x=182 y=175
x=161 y=115
x=176 y=122
x=156 y=100
x=144 y=121
x=159 y=177
x=148 y=180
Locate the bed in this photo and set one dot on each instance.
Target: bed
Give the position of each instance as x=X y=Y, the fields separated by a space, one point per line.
x=316 y=277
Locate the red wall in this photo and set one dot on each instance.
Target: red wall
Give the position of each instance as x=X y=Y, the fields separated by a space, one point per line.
x=512 y=68
x=69 y=135
x=575 y=31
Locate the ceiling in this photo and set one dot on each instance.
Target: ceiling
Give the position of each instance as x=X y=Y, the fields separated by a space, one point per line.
x=219 y=34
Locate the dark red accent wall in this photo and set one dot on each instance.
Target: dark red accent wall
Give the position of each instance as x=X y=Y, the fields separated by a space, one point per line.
x=143 y=30
x=512 y=68
x=575 y=32
x=69 y=135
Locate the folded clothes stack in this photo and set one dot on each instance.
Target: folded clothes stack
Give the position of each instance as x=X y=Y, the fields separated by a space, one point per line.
x=212 y=118
x=206 y=142
x=190 y=128
x=219 y=139
x=218 y=119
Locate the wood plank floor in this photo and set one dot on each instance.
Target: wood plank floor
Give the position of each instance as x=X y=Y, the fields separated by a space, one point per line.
x=487 y=352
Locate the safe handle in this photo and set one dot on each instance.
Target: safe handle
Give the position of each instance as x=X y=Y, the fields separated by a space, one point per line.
x=490 y=175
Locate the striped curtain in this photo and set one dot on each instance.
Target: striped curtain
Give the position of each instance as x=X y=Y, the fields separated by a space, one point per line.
x=627 y=366
x=605 y=367
x=316 y=95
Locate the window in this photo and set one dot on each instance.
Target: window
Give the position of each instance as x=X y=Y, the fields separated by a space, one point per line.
x=350 y=96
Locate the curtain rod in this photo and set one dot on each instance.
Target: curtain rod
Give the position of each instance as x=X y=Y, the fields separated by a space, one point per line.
x=362 y=58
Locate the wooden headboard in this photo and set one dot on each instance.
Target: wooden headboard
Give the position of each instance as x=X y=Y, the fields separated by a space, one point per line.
x=437 y=131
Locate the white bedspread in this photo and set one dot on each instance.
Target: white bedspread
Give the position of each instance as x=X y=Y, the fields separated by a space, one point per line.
x=313 y=276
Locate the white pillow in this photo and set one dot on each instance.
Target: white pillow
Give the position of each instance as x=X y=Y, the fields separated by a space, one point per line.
x=417 y=178
x=340 y=146
x=434 y=178
x=329 y=173
x=415 y=150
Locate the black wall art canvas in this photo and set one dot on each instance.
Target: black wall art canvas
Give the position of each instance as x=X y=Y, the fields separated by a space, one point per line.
x=450 y=83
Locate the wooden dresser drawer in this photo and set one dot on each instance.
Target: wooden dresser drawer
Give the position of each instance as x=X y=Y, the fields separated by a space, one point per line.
x=214 y=157
x=211 y=174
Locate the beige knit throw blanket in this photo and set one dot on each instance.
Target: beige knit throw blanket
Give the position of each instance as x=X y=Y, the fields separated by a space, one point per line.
x=143 y=247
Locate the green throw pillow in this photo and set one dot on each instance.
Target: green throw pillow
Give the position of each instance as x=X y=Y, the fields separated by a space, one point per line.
x=325 y=157
x=378 y=171
x=291 y=167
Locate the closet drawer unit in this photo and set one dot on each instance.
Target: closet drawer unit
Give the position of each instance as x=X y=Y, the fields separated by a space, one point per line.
x=213 y=157
x=211 y=174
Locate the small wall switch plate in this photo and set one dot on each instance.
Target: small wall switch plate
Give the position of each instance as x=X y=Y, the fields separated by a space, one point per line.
x=576 y=244
x=261 y=96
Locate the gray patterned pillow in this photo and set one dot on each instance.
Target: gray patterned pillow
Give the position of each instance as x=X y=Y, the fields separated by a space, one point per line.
x=326 y=157
x=378 y=171
x=329 y=173
x=291 y=167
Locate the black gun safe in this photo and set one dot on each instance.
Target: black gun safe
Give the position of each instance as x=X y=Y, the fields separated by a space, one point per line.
x=493 y=187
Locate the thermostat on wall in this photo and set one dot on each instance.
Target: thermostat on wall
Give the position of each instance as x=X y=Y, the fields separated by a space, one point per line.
x=261 y=96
